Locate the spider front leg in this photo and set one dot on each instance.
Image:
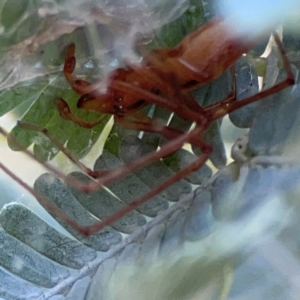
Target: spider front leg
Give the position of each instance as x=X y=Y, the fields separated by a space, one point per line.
x=80 y=86
x=66 y=114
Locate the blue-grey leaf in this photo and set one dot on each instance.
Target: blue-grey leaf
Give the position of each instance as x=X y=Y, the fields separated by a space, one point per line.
x=27 y=227
x=199 y=218
x=183 y=158
x=13 y=287
x=28 y=264
x=155 y=173
x=274 y=121
x=55 y=191
x=79 y=289
x=246 y=86
x=213 y=137
x=102 y=204
x=130 y=187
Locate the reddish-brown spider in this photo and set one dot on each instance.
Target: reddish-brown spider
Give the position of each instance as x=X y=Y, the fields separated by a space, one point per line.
x=165 y=77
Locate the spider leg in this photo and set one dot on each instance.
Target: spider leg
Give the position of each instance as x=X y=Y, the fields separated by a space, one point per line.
x=66 y=114
x=112 y=175
x=79 y=86
x=224 y=107
x=43 y=201
x=165 y=150
x=149 y=125
x=169 y=133
x=206 y=151
x=94 y=174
